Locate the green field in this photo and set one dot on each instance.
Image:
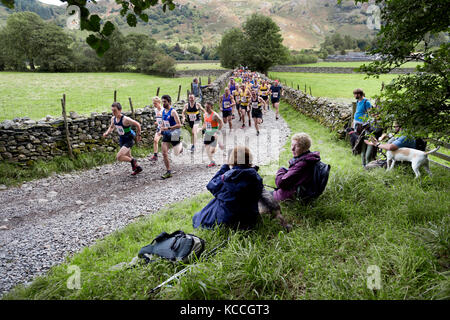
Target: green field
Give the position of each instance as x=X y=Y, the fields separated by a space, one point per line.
x=364 y=218
x=198 y=66
x=35 y=95
x=334 y=85
x=349 y=64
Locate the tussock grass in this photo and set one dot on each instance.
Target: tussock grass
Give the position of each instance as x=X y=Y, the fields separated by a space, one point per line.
x=387 y=219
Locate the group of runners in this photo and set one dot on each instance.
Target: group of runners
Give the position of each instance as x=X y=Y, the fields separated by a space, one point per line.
x=246 y=92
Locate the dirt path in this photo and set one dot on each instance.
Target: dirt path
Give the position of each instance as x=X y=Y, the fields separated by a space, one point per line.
x=45 y=220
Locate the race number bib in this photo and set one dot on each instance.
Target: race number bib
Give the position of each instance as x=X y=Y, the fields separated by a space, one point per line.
x=192 y=117
x=166 y=124
x=255 y=105
x=237 y=99
x=226 y=104
x=120 y=131
x=244 y=99
x=275 y=94
x=159 y=121
x=208 y=126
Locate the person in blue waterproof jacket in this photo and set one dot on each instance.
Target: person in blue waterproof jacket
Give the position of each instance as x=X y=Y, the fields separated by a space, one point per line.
x=237 y=188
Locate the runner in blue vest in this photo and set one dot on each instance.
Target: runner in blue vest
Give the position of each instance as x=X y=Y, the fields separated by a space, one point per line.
x=226 y=106
x=171 y=131
x=123 y=125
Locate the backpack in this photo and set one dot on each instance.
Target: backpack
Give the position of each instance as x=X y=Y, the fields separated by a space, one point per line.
x=315 y=187
x=176 y=246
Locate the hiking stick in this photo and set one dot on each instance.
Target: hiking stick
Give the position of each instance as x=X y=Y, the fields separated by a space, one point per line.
x=205 y=257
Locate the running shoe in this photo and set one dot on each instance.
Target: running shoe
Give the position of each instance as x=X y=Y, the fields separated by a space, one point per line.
x=154 y=158
x=137 y=170
x=243 y=126
x=192 y=148
x=257 y=133
x=166 y=175
x=212 y=164
x=133 y=164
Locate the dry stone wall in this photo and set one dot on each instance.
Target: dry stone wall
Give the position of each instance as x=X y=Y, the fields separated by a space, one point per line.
x=25 y=140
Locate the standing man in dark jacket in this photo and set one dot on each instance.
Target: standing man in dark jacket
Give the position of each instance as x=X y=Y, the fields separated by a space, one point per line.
x=300 y=168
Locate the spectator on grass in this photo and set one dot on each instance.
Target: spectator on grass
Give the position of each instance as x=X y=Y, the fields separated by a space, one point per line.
x=362 y=106
x=300 y=168
x=396 y=142
x=237 y=188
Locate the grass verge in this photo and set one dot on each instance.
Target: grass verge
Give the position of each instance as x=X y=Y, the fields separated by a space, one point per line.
x=386 y=219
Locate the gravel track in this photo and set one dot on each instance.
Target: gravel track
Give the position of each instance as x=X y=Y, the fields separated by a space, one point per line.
x=45 y=220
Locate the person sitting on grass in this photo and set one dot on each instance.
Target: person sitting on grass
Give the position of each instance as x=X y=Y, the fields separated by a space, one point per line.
x=300 y=169
x=237 y=189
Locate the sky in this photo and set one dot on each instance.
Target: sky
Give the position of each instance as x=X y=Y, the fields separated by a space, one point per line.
x=55 y=2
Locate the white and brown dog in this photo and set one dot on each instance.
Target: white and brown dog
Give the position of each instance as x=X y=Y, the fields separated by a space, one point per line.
x=416 y=157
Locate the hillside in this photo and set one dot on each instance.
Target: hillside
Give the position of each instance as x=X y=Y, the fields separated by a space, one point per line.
x=304 y=23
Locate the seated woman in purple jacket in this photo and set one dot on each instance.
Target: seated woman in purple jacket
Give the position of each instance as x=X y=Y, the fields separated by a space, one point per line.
x=300 y=168
x=237 y=188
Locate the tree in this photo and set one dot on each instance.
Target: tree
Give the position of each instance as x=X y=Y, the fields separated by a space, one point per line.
x=419 y=101
x=230 y=48
x=101 y=34
x=19 y=31
x=54 y=54
x=263 y=46
x=114 y=59
x=137 y=42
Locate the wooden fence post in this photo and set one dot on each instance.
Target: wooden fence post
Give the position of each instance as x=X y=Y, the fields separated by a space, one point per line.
x=298 y=87
x=131 y=107
x=115 y=95
x=179 y=92
x=66 y=126
x=157 y=92
x=305 y=88
x=187 y=95
x=310 y=91
x=209 y=79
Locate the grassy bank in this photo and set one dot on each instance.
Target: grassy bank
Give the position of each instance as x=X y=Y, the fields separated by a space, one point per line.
x=363 y=218
x=36 y=95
